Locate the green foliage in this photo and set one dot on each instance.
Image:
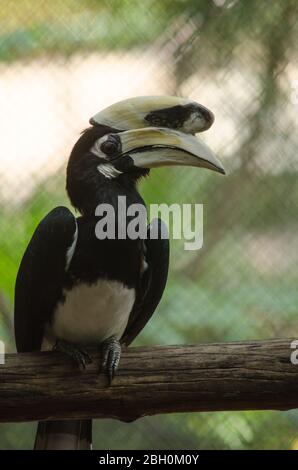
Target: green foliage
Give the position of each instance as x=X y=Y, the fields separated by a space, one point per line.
x=55 y=26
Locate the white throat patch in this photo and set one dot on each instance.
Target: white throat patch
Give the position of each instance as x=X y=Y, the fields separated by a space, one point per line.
x=108 y=170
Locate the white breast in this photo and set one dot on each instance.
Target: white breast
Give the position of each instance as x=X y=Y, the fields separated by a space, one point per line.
x=91 y=313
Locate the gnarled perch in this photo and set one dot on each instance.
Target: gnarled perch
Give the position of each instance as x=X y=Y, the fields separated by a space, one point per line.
x=207 y=377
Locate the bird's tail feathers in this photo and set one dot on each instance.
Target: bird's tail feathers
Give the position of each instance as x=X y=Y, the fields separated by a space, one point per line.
x=64 y=435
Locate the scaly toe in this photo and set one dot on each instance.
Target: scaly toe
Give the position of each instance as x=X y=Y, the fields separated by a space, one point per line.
x=76 y=353
x=111 y=352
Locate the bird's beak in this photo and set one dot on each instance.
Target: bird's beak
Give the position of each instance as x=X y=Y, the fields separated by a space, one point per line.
x=155 y=111
x=155 y=147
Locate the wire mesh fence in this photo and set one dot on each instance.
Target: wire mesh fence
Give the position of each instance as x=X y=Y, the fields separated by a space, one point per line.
x=60 y=63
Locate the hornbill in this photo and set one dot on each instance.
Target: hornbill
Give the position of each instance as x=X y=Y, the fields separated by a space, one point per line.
x=73 y=289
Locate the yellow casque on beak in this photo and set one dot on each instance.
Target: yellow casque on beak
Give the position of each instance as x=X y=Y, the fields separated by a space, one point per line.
x=154 y=147
x=155 y=111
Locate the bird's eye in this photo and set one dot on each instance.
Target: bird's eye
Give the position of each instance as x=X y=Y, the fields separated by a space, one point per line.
x=108 y=147
x=111 y=146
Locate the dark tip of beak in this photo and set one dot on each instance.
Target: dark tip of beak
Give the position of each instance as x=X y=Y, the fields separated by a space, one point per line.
x=222 y=171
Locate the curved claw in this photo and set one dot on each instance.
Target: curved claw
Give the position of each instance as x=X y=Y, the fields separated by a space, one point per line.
x=111 y=353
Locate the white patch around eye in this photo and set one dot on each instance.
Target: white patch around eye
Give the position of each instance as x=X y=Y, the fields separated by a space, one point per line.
x=96 y=150
x=108 y=170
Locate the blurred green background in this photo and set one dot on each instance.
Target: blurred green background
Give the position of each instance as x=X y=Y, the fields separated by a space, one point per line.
x=61 y=61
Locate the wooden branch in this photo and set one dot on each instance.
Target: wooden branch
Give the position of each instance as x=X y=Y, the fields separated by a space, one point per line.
x=207 y=377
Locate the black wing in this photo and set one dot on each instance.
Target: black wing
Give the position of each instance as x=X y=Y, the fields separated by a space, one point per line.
x=40 y=277
x=152 y=284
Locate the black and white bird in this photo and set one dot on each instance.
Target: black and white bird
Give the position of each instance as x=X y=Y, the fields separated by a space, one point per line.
x=74 y=289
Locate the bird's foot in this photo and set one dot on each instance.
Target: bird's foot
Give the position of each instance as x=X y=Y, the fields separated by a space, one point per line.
x=77 y=353
x=111 y=352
